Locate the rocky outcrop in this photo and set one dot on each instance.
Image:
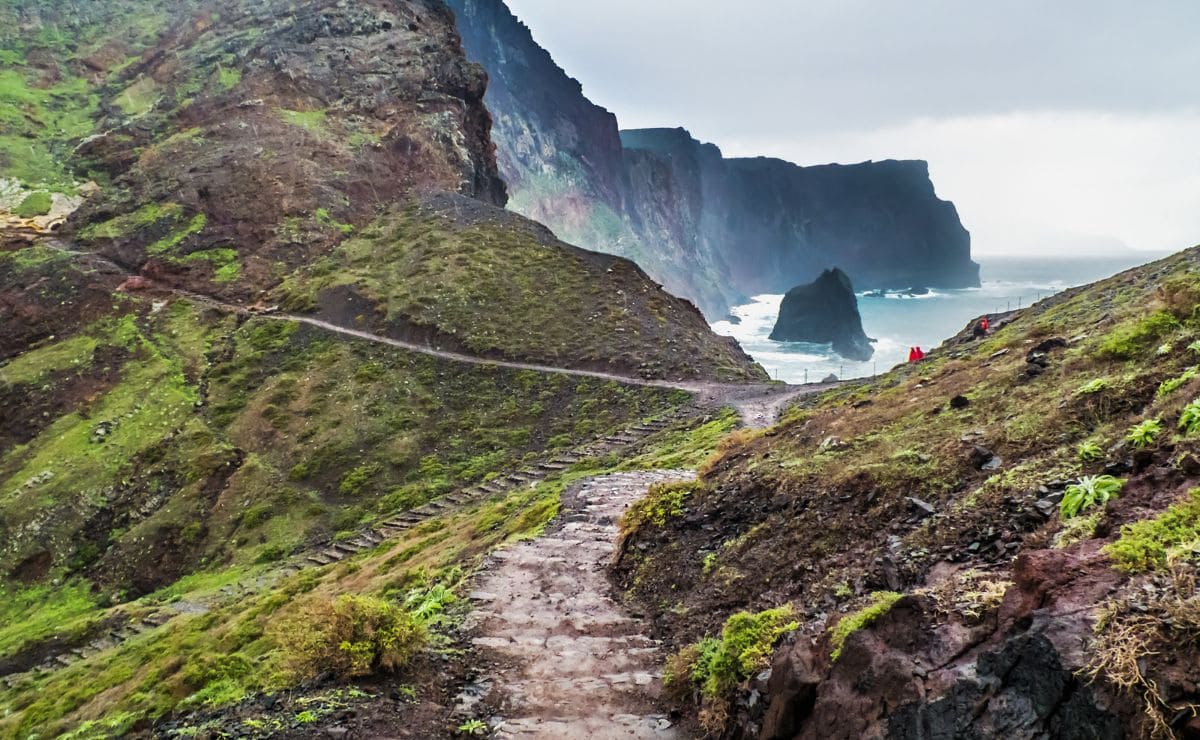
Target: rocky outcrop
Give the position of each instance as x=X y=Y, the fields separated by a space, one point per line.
x=824 y=312
x=255 y=136
x=711 y=229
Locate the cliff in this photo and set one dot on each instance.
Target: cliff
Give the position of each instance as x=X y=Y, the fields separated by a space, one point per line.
x=713 y=230
x=824 y=311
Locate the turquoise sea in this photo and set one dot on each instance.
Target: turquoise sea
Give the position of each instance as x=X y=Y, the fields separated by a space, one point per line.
x=899 y=322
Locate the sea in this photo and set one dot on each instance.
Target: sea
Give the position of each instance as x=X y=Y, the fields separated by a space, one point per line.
x=898 y=321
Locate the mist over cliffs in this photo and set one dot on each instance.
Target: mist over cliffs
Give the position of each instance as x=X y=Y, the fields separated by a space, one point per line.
x=711 y=229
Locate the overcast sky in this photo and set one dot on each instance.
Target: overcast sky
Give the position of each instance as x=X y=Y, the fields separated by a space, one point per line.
x=1071 y=124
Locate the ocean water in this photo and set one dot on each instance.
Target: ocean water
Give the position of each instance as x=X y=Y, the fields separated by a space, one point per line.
x=898 y=322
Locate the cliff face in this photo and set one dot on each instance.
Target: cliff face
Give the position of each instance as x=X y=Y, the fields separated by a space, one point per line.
x=711 y=229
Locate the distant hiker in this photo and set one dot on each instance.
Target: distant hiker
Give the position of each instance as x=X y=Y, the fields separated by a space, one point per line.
x=915 y=354
x=985 y=324
x=920 y=354
x=980 y=329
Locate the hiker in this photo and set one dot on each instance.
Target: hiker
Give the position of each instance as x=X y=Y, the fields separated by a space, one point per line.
x=979 y=331
x=985 y=324
x=920 y=354
x=912 y=354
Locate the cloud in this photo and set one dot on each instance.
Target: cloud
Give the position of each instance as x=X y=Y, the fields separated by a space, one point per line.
x=1070 y=124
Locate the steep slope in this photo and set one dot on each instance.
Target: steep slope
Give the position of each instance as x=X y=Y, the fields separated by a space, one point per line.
x=238 y=143
x=956 y=559
x=712 y=230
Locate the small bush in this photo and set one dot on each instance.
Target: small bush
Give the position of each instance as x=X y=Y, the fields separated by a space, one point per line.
x=1152 y=543
x=1170 y=386
x=350 y=636
x=1145 y=434
x=1092 y=490
x=1189 y=418
x=881 y=603
x=717 y=665
x=1090 y=452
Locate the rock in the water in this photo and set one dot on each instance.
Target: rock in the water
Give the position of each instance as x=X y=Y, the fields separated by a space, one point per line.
x=824 y=312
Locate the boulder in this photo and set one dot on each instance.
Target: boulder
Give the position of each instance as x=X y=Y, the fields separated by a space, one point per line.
x=824 y=312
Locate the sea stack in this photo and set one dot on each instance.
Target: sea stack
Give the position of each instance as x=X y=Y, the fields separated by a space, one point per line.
x=824 y=312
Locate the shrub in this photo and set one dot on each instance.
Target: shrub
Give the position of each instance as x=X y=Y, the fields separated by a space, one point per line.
x=1170 y=386
x=1189 y=418
x=1152 y=543
x=1145 y=434
x=881 y=603
x=353 y=481
x=350 y=636
x=1132 y=340
x=1090 y=491
x=1089 y=451
x=717 y=665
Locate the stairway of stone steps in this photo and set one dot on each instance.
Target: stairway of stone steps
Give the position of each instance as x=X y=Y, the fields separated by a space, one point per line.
x=111 y=638
x=566 y=660
x=397 y=524
x=392 y=527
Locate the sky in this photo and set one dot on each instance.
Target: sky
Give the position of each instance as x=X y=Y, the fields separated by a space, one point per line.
x=1055 y=127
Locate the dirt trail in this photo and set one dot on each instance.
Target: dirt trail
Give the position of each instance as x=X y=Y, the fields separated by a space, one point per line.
x=758 y=404
x=572 y=663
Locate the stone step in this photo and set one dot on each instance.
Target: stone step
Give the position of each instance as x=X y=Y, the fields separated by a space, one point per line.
x=319 y=559
x=346 y=547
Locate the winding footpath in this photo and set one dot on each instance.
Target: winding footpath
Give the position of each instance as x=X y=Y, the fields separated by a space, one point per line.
x=758 y=404
x=572 y=663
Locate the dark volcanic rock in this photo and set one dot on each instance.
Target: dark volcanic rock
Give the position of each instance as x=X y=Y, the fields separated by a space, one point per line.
x=711 y=229
x=824 y=312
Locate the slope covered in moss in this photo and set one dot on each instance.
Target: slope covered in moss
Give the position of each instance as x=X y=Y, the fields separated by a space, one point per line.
x=944 y=481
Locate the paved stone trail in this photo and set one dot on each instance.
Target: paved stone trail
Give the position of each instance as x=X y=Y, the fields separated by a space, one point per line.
x=573 y=663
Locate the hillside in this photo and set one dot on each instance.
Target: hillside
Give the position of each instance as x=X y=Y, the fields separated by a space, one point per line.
x=711 y=229
x=947 y=542
x=223 y=149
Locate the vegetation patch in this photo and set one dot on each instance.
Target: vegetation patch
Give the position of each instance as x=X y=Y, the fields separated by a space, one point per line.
x=1152 y=544
x=1092 y=490
x=881 y=603
x=662 y=501
x=35 y=204
x=350 y=636
x=715 y=666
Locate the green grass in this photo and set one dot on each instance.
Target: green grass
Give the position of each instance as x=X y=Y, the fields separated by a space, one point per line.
x=314 y=121
x=1136 y=338
x=1152 y=544
x=881 y=603
x=29 y=614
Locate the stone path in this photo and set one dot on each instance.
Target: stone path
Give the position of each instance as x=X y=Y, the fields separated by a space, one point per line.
x=572 y=662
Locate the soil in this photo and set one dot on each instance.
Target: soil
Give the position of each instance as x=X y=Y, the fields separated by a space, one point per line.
x=570 y=661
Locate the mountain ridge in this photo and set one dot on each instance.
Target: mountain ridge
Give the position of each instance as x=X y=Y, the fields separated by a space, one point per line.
x=679 y=216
